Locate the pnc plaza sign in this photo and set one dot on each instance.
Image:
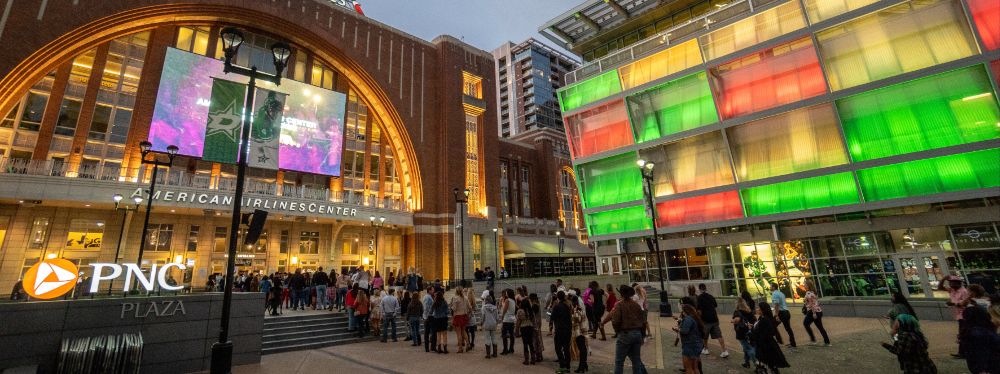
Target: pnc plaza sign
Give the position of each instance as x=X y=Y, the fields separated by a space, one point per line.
x=55 y=277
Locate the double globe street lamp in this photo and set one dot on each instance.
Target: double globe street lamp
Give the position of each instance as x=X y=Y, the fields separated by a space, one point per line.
x=145 y=148
x=461 y=201
x=654 y=244
x=377 y=226
x=232 y=39
x=121 y=230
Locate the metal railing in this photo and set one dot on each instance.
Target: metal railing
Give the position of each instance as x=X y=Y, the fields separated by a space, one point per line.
x=184 y=178
x=665 y=39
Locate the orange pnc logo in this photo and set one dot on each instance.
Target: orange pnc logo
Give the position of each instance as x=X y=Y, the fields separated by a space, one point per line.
x=50 y=278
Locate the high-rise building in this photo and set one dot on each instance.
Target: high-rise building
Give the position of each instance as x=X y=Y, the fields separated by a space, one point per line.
x=853 y=144
x=528 y=75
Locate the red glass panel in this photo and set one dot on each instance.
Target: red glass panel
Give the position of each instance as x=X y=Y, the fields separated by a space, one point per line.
x=600 y=129
x=784 y=74
x=986 y=14
x=707 y=208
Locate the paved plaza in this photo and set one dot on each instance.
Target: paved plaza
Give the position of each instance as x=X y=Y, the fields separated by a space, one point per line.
x=855 y=349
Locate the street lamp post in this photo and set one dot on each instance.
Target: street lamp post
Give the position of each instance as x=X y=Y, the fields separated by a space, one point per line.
x=647 y=177
x=496 y=252
x=461 y=201
x=121 y=230
x=144 y=149
x=377 y=226
x=559 y=241
x=232 y=39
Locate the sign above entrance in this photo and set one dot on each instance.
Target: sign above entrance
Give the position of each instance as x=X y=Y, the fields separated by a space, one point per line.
x=50 y=278
x=214 y=200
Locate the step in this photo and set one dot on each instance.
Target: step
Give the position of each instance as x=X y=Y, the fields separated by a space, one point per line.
x=294 y=340
x=311 y=325
x=313 y=319
x=314 y=345
x=304 y=333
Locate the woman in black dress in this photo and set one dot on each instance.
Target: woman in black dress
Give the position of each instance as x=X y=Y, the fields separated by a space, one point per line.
x=763 y=336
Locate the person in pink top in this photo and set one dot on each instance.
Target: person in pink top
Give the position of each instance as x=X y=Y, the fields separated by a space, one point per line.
x=814 y=314
x=957 y=293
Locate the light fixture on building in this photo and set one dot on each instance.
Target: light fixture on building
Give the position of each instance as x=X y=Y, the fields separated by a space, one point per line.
x=295 y=260
x=178 y=258
x=366 y=260
x=50 y=256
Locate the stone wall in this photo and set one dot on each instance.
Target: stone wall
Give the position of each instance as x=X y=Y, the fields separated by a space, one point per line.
x=176 y=339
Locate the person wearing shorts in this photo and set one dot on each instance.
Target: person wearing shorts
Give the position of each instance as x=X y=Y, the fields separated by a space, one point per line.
x=710 y=318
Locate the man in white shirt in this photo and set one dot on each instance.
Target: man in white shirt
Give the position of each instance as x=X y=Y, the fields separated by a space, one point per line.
x=390 y=308
x=361 y=278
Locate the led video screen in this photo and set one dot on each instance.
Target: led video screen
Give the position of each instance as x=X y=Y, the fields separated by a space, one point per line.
x=312 y=128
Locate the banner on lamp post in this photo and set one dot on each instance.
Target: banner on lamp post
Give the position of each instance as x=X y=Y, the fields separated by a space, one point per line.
x=225 y=119
x=266 y=128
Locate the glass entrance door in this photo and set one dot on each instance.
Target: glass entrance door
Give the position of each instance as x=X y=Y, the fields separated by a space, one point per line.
x=920 y=274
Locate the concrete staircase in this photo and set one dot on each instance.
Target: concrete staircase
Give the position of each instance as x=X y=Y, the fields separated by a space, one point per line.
x=310 y=331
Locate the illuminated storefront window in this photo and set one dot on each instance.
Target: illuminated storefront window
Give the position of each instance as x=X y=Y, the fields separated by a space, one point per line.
x=802 y=194
x=690 y=164
x=966 y=171
x=800 y=140
x=589 y=91
x=900 y=39
x=776 y=76
x=618 y=221
x=752 y=30
x=679 y=105
x=661 y=64
x=85 y=234
x=599 y=129
x=609 y=181
x=951 y=108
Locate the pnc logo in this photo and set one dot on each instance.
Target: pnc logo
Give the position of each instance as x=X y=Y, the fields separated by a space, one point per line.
x=50 y=278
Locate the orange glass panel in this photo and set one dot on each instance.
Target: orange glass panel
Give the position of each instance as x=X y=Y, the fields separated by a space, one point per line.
x=600 y=129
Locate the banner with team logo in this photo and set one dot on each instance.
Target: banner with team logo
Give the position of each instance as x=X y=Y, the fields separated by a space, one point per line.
x=225 y=117
x=266 y=129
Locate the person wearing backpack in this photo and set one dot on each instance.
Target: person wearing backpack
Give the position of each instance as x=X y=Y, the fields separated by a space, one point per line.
x=489 y=322
x=743 y=319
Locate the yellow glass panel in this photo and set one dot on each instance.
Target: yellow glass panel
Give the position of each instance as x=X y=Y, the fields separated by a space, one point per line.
x=692 y=163
x=661 y=64
x=900 y=39
x=759 y=28
x=820 y=10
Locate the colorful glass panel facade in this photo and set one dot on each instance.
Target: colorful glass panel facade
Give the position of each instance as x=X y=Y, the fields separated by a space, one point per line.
x=821 y=10
x=753 y=30
x=599 y=129
x=693 y=163
x=699 y=209
x=765 y=79
x=897 y=40
x=589 y=91
x=800 y=140
x=801 y=194
x=947 y=109
x=611 y=180
x=619 y=221
x=986 y=15
x=661 y=64
x=679 y=105
x=965 y=171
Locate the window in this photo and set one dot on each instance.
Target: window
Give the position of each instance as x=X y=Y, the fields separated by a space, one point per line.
x=965 y=171
x=85 y=234
x=472 y=173
x=79 y=74
x=899 y=39
x=300 y=66
x=160 y=236
x=192 y=240
x=322 y=76
x=309 y=242
x=986 y=14
x=590 y=90
x=8 y=120
x=800 y=140
x=261 y=246
x=618 y=221
x=661 y=64
x=525 y=192
x=34 y=108
x=477 y=251
x=219 y=239
x=942 y=110
x=283 y=242
x=472 y=85
x=681 y=104
x=99 y=124
x=193 y=39
x=752 y=30
x=599 y=129
x=820 y=10
x=69 y=113
x=122 y=122
x=39 y=233
x=802 y=194
x=692 y=163
x=610 y=181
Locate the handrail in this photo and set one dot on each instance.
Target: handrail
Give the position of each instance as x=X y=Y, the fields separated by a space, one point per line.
x=184 y=178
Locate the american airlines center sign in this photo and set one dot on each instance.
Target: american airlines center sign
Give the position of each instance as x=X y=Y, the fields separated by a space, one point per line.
x=216 y=200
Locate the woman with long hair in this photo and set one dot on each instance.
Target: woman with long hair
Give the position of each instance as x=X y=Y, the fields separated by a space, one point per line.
x=536 y=312
x=910 y=346
x=765 y=342
x=742 y=320
x=414 y=313
x=508 y=319
x=490 y=321
x=597 y=297
x=579 y=334
x=526 y=326
x=459 y=316
x=439 y=311
x=470 y=329
x=814 y=314
x=691 y=331
x=361 y=307
x=899 y=306
x=376 y=311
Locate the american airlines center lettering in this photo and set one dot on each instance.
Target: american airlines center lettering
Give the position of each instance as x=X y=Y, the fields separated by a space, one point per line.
x=250 y=202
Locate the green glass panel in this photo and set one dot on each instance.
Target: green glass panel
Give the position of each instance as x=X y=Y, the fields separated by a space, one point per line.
x=965 y=171
x=942 y=110
x=802 y=194
x=612 y=180
x=681 y=104
x=618 y=221
x=590 y=90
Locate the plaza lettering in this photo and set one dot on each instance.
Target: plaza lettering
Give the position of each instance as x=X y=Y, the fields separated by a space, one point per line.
x=153 y=309
x=251 y=202
x=132 y=272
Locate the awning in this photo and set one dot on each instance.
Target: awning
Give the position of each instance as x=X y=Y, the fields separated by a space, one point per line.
x=521 y=246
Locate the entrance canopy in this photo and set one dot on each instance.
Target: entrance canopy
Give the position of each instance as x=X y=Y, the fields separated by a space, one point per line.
x=517 y=246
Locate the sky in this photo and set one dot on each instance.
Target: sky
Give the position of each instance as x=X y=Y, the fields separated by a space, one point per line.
x=485 y=24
